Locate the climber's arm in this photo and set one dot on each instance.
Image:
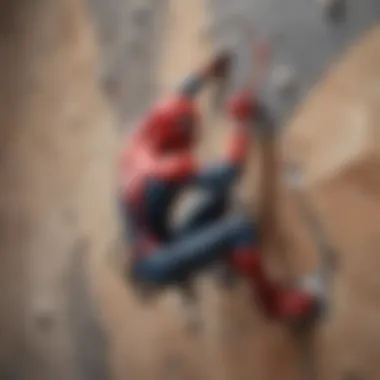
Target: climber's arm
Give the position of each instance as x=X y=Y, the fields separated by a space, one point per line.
x=225 y=173
x=195 y=82
x=184 y=167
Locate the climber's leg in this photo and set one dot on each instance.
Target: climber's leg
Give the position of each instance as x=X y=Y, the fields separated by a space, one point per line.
x=190 y=254
x=276 y=301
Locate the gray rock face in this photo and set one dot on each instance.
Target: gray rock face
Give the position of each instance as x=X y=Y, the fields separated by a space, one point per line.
x=130 y=33
x=300 y=32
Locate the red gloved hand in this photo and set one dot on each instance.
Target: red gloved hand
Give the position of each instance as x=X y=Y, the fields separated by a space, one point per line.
x=296 y=305
x=242 y=105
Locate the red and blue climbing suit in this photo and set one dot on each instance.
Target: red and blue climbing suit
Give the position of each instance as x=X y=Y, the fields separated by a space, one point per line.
x=158 y=164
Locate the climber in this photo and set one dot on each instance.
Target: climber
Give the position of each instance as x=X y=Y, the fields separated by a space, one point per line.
x=159 y=163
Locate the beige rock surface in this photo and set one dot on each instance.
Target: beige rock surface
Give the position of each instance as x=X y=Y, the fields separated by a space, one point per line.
x=235 y=342
x=335 y=136
x=57 y=193
x=56 y=158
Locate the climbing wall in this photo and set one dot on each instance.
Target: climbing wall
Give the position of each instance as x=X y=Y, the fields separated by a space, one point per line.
x=232 y=340
x=305 y=36
x=67 y=311
x=56 y=190
x=339 y=149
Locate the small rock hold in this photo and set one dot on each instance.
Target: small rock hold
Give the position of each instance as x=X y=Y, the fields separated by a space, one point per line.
x=226 y=277
x=334 y=9
x=134 y=48
x=44 y=317
x=112 y=88
x=44 y=321
x=192 y=313
x=193 y=321
x=208 y=29
x=284 y=79
x=294 y=176
x=350 y=375
x=174 y=361
x=189 y=295
x=70 y=215
x=145 y=293
x=141 y=13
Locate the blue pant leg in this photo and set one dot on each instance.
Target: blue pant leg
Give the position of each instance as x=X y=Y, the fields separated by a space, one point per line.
x=150 y=213
x=194 y=252
x=158 y=197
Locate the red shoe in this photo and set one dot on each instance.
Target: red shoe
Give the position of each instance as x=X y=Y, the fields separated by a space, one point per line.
x=288 y=305
x=276 y=303
x=306 y=304
x=295 y=304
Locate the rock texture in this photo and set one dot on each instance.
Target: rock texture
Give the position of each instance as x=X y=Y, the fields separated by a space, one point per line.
x=234 y=341
x=67 y=311
x=56 y=159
